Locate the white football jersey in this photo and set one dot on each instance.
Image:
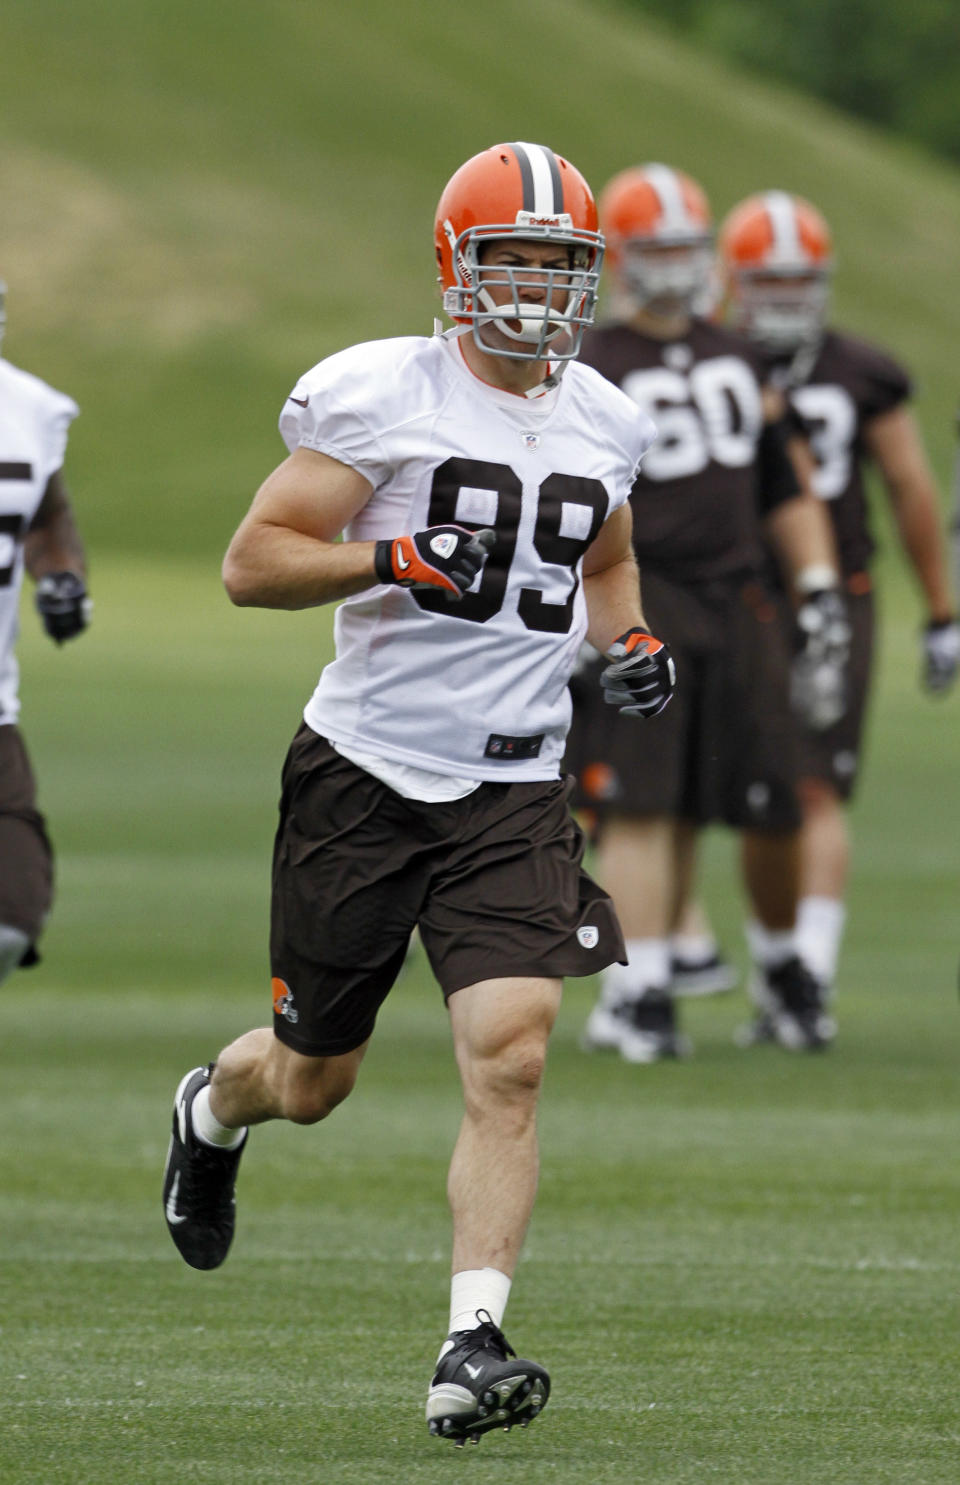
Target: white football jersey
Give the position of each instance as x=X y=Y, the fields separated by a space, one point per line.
x=34 y=420
x=478 y=688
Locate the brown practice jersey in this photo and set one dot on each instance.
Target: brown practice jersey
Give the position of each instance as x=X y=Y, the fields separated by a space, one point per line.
x=696 y=512
x=850 y=383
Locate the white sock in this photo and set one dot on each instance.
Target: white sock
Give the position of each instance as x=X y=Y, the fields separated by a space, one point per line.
x=770 y=946
x=474 y=1289
x=14 y=943
x=693 y=946
x=820 y=924
x=648 y=969
x=207 y=1127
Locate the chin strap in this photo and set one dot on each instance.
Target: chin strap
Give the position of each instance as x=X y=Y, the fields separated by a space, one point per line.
x=551 y=380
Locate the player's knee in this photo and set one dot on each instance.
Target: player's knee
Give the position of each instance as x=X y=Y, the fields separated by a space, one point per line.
x=817 y=796
x=14 y=943
x=515 y=1072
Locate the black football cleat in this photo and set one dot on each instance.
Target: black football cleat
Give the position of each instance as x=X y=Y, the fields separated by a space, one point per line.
x=791 y=1009
x=198 y=1184
x=641 y=1030
x=481 y=1384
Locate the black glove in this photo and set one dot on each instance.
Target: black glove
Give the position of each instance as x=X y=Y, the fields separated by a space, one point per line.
x=447 y=557
x=63 y=605
x=941 y=654
x=642 y=677
x=819 y=675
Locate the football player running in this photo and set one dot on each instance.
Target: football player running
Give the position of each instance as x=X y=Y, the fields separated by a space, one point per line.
x=38 y=534
x=776 y=262
x=480 y=479
x=724 y=475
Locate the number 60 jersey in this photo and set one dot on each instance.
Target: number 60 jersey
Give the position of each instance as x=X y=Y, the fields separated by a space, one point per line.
x=697 y=509
x=475 y=689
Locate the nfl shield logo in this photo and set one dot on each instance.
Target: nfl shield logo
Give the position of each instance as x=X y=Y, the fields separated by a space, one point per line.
x=588 y=936
x=531 y=440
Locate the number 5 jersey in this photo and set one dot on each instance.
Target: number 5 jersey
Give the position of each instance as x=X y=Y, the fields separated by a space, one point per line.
x=476 y=688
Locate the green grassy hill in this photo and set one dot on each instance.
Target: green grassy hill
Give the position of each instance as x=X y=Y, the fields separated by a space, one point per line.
x=201 y=198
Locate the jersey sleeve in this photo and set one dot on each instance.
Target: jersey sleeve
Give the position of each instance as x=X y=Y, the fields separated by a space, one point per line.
x=333 y=410
x=57 y=413
x=886 y=384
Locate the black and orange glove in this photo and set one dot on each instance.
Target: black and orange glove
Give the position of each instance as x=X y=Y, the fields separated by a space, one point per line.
x=446 y=557
x=642 y=677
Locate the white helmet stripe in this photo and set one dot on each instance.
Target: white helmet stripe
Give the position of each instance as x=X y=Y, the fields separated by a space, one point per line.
x=787 y=247
x=665 y=182
x=542 y=186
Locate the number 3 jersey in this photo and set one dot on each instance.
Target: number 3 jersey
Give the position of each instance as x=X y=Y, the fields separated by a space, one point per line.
x=848 y=385
x=34 y=420
x=696 y=505
x=476 y=688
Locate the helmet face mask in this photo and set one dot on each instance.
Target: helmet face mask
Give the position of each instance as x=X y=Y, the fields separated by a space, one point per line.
x=524 y=281
x=780 y=311
x=673 y=275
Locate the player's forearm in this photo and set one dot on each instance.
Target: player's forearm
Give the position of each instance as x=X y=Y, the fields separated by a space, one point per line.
x=918 y=521
x=57 y=548
x=53 y=543
x=270 y=566
x=802 y=535
x=613 y=603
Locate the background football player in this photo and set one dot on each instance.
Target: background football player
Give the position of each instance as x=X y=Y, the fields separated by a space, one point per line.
x=38 y=534
x=722 y=476
x=776 y=263
x=484 y=502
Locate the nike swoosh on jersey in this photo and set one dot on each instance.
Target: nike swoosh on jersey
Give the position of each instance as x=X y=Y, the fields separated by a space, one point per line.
x=300 y=401
x=173 y=1216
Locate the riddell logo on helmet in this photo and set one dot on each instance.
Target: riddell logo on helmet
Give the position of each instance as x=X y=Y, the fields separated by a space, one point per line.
x=561 y=220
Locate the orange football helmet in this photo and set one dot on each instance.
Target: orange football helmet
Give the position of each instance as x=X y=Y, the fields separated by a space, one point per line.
x=776 y=259
x=659 y=235
x=521 y=191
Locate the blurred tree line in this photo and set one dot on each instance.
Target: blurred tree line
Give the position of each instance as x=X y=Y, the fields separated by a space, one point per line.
x=895 y=64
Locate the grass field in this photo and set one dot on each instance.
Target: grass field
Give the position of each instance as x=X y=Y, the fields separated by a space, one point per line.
x=743 y=1268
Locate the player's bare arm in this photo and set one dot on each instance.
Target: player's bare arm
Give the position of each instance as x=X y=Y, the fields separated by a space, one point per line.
x=53 y=542
x=894 y=443
x=285 y=552
x=611 y=582
x=54 y=558
x=802 y=535
x=641 y=679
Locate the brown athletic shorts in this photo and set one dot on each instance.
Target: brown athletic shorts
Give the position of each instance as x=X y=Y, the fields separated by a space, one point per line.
x=834 y=755
x=26 y=859
x=726 y=747
x=494 y=882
